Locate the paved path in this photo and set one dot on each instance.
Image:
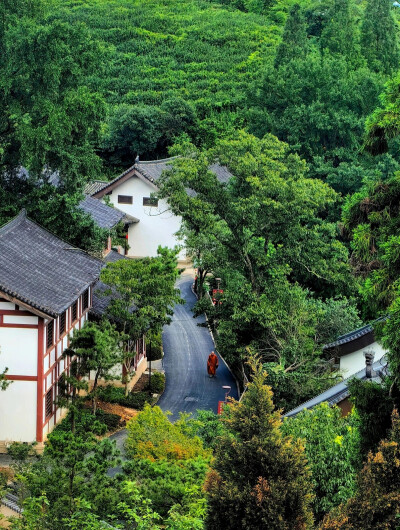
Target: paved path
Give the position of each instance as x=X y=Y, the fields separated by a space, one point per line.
x=186 y=348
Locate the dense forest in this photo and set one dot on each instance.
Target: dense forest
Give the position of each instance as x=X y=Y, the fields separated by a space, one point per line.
x=300 y=101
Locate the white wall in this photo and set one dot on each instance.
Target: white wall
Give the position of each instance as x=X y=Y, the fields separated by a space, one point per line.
x=18 y=412
x=355 y=361
x=157 y=225
x=18 y=350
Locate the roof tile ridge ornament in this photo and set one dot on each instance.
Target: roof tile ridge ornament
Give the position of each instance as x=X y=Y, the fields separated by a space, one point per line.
x=8 y=225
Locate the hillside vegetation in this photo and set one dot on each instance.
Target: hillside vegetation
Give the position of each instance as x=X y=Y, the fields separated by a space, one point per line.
x=165 y=54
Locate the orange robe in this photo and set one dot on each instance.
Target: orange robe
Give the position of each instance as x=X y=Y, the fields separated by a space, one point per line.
x=212 y=364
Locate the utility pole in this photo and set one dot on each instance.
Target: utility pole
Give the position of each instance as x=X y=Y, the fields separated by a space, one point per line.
x=150 y=367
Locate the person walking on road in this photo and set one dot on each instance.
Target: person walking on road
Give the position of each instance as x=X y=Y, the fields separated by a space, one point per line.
x=212 y=364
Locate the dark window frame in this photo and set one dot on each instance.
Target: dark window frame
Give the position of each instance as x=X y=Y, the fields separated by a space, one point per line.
x=50 y=334
x=49 y=403
x=85 y=300
x=63 y=323
x=150 y=201
x=125 y=199
x=74 y=312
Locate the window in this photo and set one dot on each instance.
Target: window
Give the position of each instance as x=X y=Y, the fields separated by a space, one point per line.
x=74 y=311
x=62 y=323
x=50 y=333
x=150 y=201
x=125 y=199
x=62 y=386
x=49 y=403
x=85 y=299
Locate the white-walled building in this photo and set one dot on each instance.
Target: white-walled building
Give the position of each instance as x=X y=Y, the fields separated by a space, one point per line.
x=348 y=350
x=348 y=353
x=131 y=192
x=46 y=289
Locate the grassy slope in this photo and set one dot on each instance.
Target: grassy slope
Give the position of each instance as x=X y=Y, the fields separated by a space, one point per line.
x=195 y=49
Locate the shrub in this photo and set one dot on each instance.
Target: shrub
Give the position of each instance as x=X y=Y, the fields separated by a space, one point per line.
x=86 y=422
x=134 y=400
x=157 y=382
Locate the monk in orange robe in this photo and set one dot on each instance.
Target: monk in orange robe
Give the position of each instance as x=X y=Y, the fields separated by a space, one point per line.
x=212 y=364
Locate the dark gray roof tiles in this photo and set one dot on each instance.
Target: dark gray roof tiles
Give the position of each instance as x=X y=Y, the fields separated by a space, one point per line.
x=100 y=300
x=104 y=216
x=94 y=187
x=338 y=392
x=152 y=170
x=222 y=172
x=353 y=335
x=113 y=256
x=41 y=270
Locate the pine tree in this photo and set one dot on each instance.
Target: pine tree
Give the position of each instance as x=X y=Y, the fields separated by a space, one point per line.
x=260 y=477
x=294 y=43
x=378 y=37
x=339 y=34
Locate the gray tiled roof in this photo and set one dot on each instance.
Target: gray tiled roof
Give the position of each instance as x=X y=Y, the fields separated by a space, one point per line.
x=95 y=186
x=113 y=256
x=41 y=270
x=100 y=301
x=152 y=170
x=104 y=216
x=353 y=335
x=338 y=392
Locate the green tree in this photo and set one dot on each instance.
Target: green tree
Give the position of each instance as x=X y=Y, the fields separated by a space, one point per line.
x=319 y=107
x=294 y=45
x=169 y=464
x=379 y=37
x=371 y=218
x=143 y=294
x=49 y=118
x=384 y=123
x=259 y=478
x=3 y=379
x=340 y=34
x=269 y=244
x=332 y=446
x=131 y=131
x=95 y=348
x=374 y=406
x=376 y=503
x=71 y=473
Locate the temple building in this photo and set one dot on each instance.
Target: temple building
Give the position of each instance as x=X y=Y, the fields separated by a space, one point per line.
x=47 y=289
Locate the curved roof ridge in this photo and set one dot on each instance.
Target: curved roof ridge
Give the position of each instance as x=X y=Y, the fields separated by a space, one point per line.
x=158 y=160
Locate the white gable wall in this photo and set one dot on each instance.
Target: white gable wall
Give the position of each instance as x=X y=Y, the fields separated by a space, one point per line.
x=355 y=361
x=18 y=412
x=18 y=350
x=157 y=225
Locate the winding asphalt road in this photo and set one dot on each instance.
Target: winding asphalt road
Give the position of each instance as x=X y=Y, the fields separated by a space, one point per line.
x=186 y=349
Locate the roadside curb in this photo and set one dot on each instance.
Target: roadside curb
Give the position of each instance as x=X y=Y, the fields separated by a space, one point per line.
x=212 y=338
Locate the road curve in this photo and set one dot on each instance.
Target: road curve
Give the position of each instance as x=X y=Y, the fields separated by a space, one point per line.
x=186 y=349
